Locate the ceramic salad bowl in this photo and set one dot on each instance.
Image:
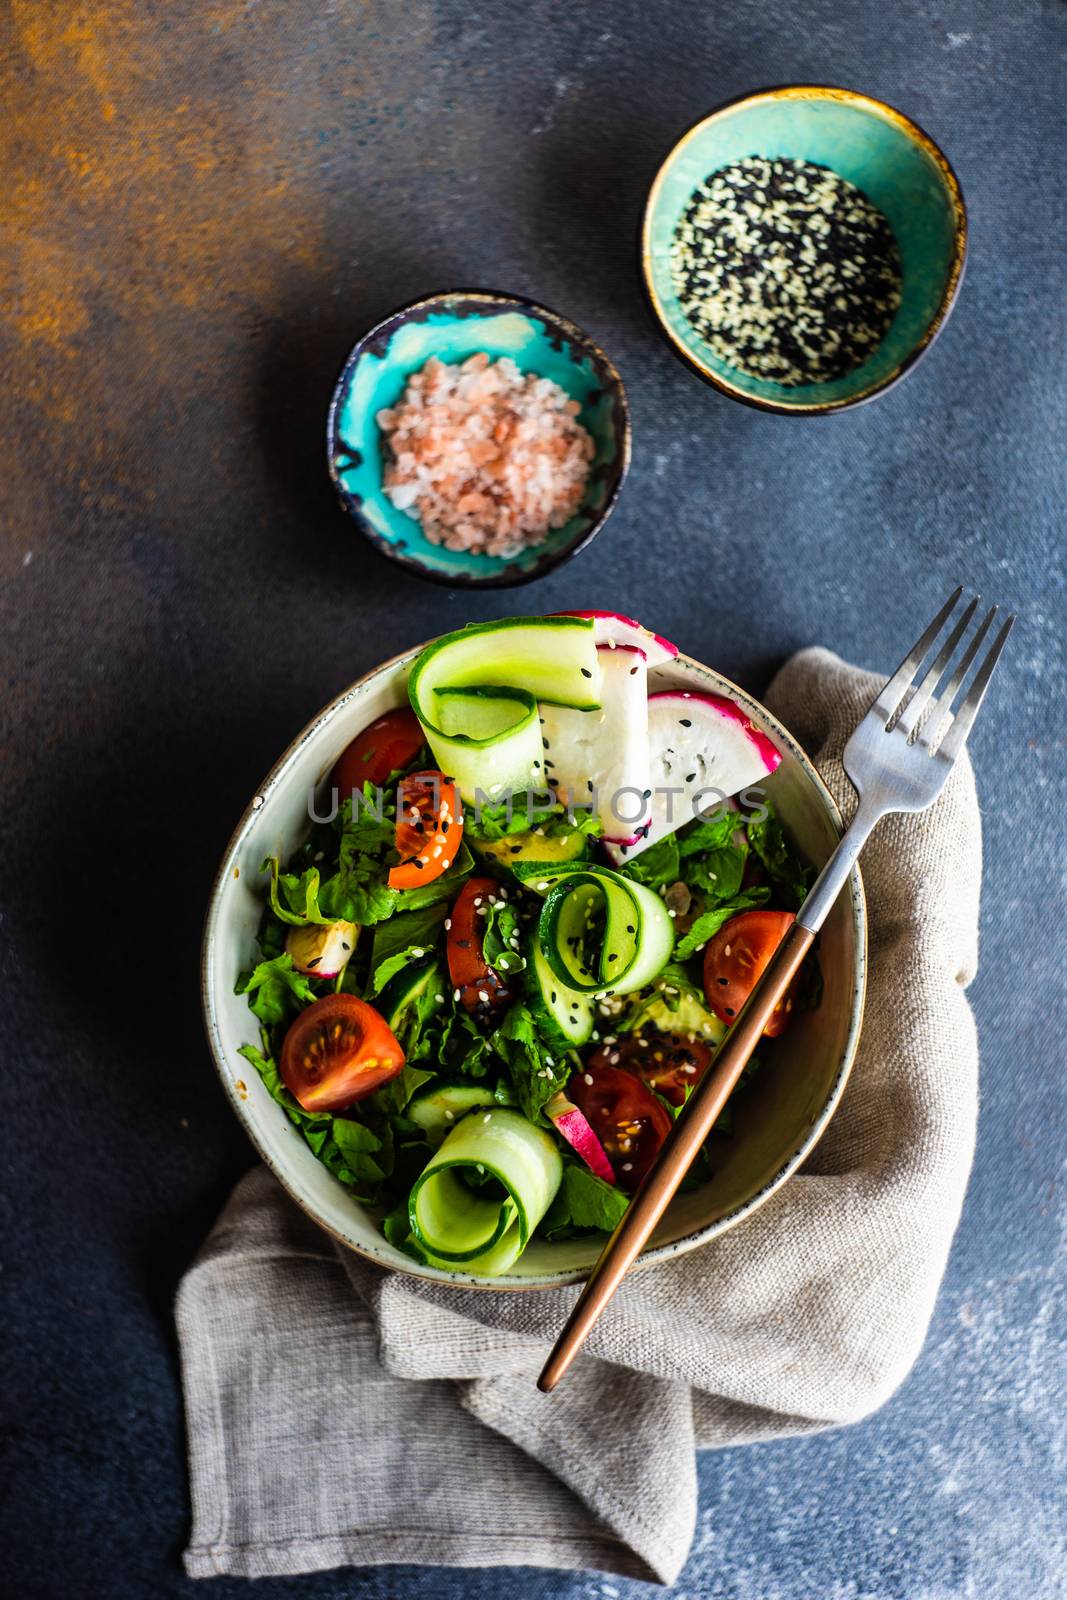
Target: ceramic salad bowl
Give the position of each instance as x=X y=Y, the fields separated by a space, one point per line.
x=778 y=1121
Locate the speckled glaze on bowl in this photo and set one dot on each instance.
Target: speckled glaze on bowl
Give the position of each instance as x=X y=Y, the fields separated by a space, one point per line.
x=778 y=1121
x=453 y=326
x=874 y=146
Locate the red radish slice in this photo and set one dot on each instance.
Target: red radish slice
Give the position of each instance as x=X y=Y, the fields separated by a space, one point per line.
x=613 y=629
x=571 y=1124
x=607 y=749
x=322 y=950
x=703 y=748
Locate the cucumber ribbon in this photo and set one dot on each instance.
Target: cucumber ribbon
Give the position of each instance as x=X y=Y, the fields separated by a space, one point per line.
x=475 y=692
x=599 y=931
x=453 y=1224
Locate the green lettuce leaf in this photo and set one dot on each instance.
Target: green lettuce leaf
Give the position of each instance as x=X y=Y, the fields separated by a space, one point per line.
x=294 y=899
x=583 y=1201
x=791 y=876
x=367 y=1155
x=708 y=924
x=501 y=926
x=358 y=1156
x=535 y=1068
x=276 y=990
x=529 y=811
x=656 y=866
x=406 y=937
x=718 y=872
x=709 y=833
x=358 y=891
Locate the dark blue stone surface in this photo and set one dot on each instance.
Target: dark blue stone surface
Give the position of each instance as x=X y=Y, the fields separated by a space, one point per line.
x=206 y=204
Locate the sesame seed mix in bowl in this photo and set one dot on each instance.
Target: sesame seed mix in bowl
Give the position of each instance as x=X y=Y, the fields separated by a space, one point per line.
x=488 y=459
x=786 y=270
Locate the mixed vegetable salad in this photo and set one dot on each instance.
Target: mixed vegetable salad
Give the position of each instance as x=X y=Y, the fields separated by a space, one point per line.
x=491 y=980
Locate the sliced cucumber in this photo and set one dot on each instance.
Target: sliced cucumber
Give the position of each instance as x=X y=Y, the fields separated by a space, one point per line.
x=672 y=1004
x=437 y=1109
x=409 y=1000
x=632 y=943
x=475 y=693
x=541 y=875
x=453 y=1223
x=690 y=1018
x=566 y=1017
x=524 y=853
x=408 y=990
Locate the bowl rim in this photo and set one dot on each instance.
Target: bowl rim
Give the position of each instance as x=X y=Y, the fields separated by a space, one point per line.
x=665 y=1252
x=950 y=293
x=550 y=560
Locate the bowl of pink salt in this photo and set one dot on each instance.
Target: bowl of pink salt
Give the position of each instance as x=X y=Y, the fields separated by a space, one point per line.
x=478 y=439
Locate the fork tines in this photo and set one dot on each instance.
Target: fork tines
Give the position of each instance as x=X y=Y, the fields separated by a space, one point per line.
x=916 y=709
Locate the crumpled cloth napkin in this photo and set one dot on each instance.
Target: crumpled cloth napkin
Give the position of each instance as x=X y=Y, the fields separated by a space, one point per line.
x=338 y=1414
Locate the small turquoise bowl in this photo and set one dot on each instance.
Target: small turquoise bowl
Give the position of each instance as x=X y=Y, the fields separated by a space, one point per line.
x=452 y=327
x=870 y=144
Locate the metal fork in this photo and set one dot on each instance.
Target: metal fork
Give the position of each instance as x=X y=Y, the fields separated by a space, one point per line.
x=898 y=760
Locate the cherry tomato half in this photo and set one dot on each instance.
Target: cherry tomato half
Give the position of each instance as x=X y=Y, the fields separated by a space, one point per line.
x=337 y=1051
x=626 y=1117
x=667 y=1063
x=388 y=745
x=481 y=988
x=738 y=955
x=429 y=829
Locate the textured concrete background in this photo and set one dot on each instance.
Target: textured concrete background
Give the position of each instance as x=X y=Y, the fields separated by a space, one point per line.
x=204 y=202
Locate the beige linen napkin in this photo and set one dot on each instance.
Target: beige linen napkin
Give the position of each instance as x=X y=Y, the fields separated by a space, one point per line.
x=340 y=1414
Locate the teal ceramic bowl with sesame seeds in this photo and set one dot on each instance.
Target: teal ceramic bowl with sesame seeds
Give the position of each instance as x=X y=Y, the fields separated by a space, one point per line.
x=871 y=146
x=452 y=327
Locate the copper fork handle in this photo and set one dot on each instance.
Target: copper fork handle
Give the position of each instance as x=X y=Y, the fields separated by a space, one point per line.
x=677 y=1154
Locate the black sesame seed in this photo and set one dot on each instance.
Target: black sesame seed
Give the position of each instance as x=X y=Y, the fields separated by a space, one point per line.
x=785 y=270
x=585 y=672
